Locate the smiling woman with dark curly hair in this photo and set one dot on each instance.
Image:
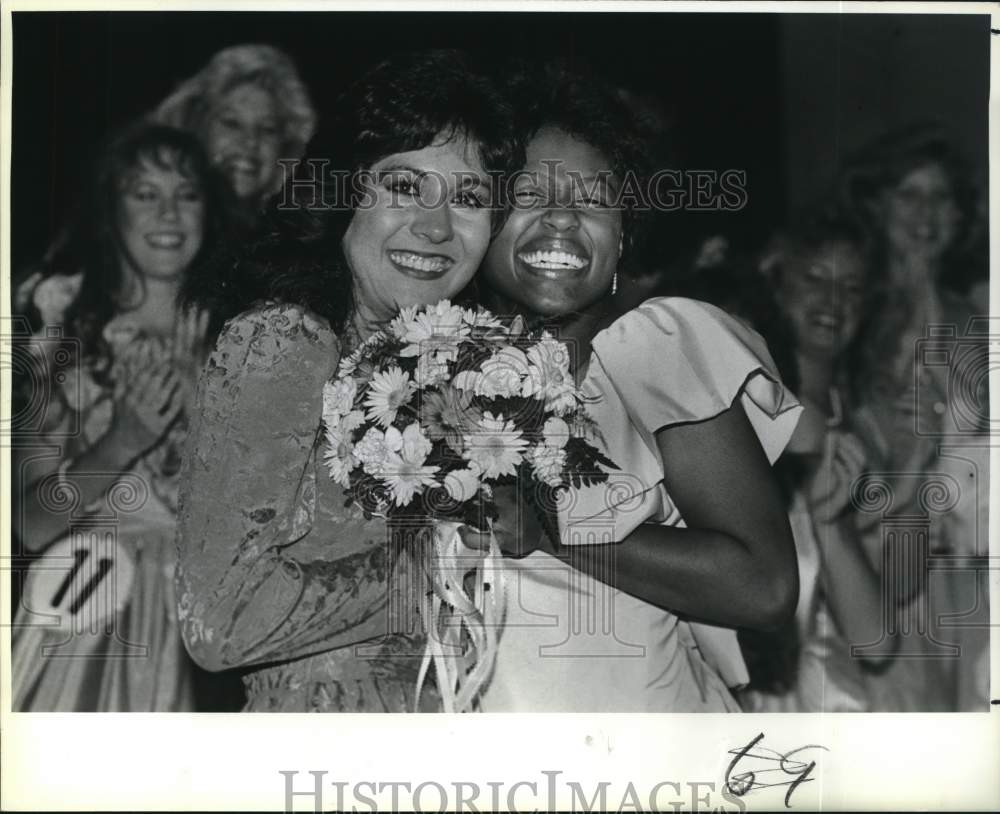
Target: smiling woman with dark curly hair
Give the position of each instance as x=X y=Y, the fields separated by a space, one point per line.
x=277 y=575
x=123 y=369
x=688 y=404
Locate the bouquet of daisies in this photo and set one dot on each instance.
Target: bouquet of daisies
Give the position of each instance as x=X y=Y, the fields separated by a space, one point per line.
x=422 y=420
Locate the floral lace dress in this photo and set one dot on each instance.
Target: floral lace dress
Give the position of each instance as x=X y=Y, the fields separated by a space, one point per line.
x=96 y=629
x=276 y=575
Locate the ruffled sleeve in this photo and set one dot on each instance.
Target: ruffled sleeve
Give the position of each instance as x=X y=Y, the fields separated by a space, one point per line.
x=674 y=360
x=253 y=585
x=669 y=361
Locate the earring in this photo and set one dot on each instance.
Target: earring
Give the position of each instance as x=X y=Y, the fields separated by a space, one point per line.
x=614 y=283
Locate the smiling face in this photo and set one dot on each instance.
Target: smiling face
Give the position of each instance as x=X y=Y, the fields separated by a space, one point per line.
x=422 y=230
x=559 y=249
x=243 y=139
x=821 y=292
x=920 y=214
x=161 y=219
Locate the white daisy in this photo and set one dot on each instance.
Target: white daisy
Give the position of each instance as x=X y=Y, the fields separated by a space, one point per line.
x=350 y=422
x=480 y=318
x=438 y=330
x=406 y=479
x=497 y=447
x=404 y=471
x=338 y=456
x=404 y=321
x=447 y=414
x=389 y=390
x=348 y=364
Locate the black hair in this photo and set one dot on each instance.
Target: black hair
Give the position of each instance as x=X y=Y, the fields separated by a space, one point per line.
x=92 y=243
x=587 y=107
x=404 y=103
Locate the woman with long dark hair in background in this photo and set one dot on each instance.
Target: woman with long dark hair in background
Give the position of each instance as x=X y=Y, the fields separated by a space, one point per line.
x=690 y=539
x=97 y=629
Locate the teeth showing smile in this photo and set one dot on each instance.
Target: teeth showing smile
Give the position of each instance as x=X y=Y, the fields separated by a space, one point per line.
x=553 y=260
x=826 y=321
x=419 y=262
x=243 y=165
x=165 y=240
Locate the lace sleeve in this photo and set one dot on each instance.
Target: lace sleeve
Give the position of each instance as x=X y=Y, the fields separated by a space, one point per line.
x=251 y=587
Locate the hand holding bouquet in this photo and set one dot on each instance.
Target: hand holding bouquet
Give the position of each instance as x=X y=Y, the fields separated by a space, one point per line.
x=422 y=420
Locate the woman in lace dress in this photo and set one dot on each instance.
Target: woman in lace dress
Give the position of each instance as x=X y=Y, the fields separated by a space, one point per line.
x=278 y=577
x=689 y=406
x=98 y=466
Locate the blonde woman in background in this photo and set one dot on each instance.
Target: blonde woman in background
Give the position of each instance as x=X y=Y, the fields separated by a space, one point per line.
x=249 y=108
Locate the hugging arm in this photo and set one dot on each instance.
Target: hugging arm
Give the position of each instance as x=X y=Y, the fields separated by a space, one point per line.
x=734 y=564
x=245 y=596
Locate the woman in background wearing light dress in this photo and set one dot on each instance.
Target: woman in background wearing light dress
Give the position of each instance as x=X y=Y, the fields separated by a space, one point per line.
x=821 y=279
x=688 y=404
x=914 y=192
x=97 y=628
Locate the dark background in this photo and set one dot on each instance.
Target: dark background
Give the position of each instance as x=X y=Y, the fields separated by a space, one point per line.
x=782 y=97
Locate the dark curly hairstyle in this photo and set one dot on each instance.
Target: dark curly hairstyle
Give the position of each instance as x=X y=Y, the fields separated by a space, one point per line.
x=92 y=243
x=404 y=103
x=587 y=107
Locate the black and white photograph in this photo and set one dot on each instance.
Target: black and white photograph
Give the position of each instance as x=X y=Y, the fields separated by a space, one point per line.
x=477 y=360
